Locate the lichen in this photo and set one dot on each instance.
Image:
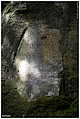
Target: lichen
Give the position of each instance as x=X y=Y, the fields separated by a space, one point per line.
x=50 y=47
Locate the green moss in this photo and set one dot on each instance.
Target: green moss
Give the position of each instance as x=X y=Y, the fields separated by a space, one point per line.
x=54 y=106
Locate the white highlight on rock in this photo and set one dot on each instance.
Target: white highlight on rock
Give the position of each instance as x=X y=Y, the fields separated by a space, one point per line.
x=30 y=36
x=27 y=38
x=50 y=93
x=7 y=17
x=32 y=96
x=25 y=69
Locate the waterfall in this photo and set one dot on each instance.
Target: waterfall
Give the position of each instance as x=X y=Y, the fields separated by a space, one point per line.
x=36 y=77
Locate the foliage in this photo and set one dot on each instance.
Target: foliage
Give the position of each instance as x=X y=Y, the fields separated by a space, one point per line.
x=55 y=106
x=16 y=106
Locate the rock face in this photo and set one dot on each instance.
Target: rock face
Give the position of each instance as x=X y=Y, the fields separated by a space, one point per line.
x=10 y=40
x=39 y=61
x=31 y=34
x=33 y=48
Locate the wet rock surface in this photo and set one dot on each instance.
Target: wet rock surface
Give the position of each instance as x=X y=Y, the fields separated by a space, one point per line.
x=43 y=81
x=42 y=62
x=54 y=20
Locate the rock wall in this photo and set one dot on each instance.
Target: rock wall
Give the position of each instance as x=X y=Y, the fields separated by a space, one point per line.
x=53 y=21
x=39 y=61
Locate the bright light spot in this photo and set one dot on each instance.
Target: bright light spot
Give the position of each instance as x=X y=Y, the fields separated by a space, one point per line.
x=7 y=17
x=23 y=69
x=32 y=96
x=50 y=93
x=26 y=68
x=27 y=38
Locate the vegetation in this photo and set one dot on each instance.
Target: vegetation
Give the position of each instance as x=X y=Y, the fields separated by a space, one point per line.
x=65 y=105
x=16 y=106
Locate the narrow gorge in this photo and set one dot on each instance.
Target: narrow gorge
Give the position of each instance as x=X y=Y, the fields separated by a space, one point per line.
x=39 y=58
